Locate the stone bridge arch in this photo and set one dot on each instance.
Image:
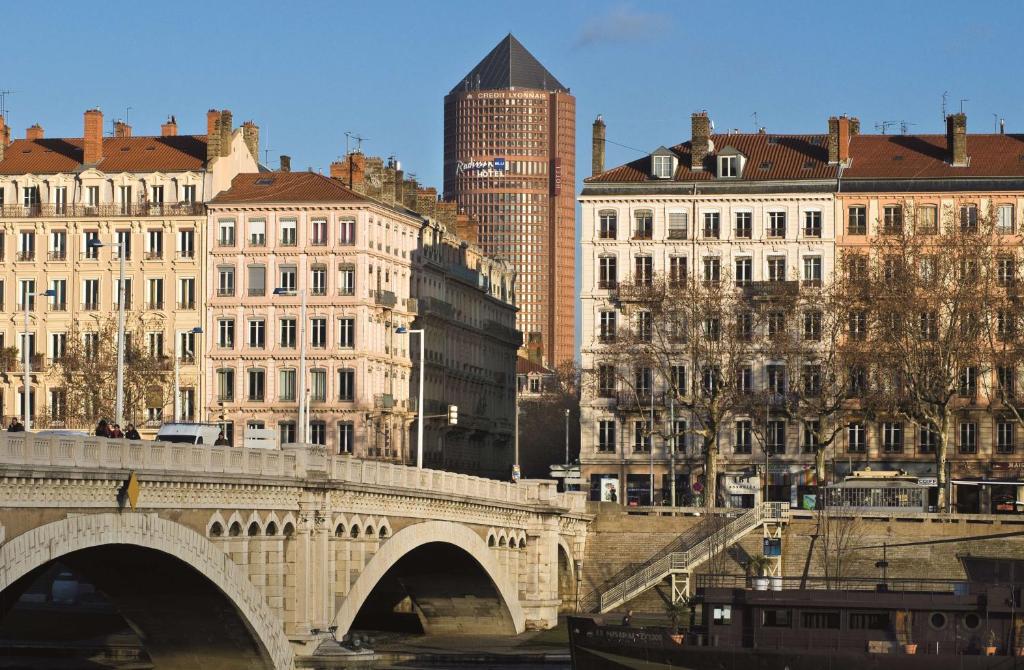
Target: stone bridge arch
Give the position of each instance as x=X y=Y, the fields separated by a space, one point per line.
x=72 y=536
x=414 y=537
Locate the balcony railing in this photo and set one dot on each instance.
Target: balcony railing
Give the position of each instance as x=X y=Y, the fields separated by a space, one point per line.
x=25 y=256
x=187 y=254
x=385 y=298
x=58 y=306
x=223 y=291
x=107 y=210
x=154 y=255
x=257 y=291
x=186 y=304
x=90 y=306
x=58 y=255
x=155 y=304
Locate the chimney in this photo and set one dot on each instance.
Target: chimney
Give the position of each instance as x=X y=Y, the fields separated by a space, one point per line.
x=251 y=136
x=226 y=130
x=338 y=170
x=597 y=150
x=286 y=163
x=854 y=126
x=356 y=170
x=839 y=140
x=93 y=145
x=34 y=132
x=169 y=129
x=5 y=136
x=1002 y=126
x=122 y=129
x=700 y=139
x=956 y=139
x=212 y=134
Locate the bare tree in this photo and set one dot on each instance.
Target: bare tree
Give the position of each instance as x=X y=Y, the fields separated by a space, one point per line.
x=837 y=537
x=542 y=422
x=87 y=373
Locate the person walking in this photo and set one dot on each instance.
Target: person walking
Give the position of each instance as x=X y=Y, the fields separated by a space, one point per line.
x=132 y=433
x=628 y=618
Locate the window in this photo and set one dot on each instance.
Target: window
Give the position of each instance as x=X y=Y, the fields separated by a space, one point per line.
x=722 y=616
x=809 y=441
x=346 y=385
x=607 y=272
x=710 y=379
x=59 y=300
x=287 y=431
x=257 y=232
x=289 y=233
x=644 y=326
x=776 y=377
x=775 y=437
x=225 y=385
x=608 y=225
x=857 y=220
x=713 y=328
x=154 y=244
x=607 y=320
x=318 y=232
x=968 y=437
x=642 y=437
x=858 y=325
x=318 y=385
x=644 y=270
x=812 y=271
x=812 y=380
x=1004 y=219
x=58 y=345
x=777 y=618
x=712 y=270
x=969 y=217
x=869 y=620
x=257 y=333
x=605 y=381
x=776 y=324
x=188 y=193
x=929 y=328
x=30 y=196
x=744 y=271
x=26 y=246
x=892 y=219
x=226 y=333
x=226 y=233
x=346 y=231
x=662 y=167
x=1006 y=381
x=257 y=280
x=678 y=225
x=643 y=228
x=90 y=345
x=60 y=199
x=927 y=439
x=927 y=220
x=728 y=166
x=187 y=293
x=347 y=332
x=124 y=245
x=187 y=243
x=678 y=380
x=820 y=620
x=606 y=436
x=1005 y=436
x=257 y=384
x=678 y=437
x=812 y=224
x=286 y=384
x=712 y=225
x=27 y=294
x=127 y=293
x=892 y=437
x=857 y=267
x=89 y=239
x=677 y=271
x=346 y=437
x=744 y=436
x=58 y=245
x=92 y=196
x=745 y=379
x=776 y=224
x=318 y=432
x=155 y=344
x=744 y=225
x=812 y=326
x=289 y=327
x=858 y=381
x=91 y=294
x=225 y=281
x=643 y=381
x=318 y=332
x=745 y=326
x=1006 y=271
x=288 y=278
x=346 y=279
x=856 y=438
x=777 y=268
x=968 y=382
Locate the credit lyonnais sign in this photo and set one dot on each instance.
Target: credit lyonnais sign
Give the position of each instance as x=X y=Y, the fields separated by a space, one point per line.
x=475 y=168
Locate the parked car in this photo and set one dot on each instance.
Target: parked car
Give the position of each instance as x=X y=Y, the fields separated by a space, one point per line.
x=188 y=433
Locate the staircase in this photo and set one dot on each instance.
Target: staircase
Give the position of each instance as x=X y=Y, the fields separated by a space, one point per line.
x=681 y=556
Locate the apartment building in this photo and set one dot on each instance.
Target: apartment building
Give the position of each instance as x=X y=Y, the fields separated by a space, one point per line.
x=747 y=208
x=70 y=208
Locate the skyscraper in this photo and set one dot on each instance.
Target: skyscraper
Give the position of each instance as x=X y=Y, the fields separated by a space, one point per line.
x=509 y=162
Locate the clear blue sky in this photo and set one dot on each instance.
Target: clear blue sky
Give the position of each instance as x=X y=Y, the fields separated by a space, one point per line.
x=306 y=72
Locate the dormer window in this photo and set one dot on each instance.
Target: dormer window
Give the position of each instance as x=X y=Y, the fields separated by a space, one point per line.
x=663 y=167
x=728 y=166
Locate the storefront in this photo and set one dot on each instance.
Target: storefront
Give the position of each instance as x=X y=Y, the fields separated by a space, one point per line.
x=742 y=489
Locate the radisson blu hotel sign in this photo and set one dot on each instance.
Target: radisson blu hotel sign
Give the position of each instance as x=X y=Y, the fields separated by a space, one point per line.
x=472 y=168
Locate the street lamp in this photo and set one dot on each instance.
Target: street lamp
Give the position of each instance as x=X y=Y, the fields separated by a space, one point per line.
x=303 y=433
x=177 y=374
x=94 y=243
x=26 y=397
x=401 y=330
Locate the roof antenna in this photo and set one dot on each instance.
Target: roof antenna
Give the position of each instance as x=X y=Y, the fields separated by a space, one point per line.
x=904 y=125
x=3 y=102
x=962 y=101
x=756 y=124
x=884 y=126
x=995 y=122
x=359 y=143
x=945 y=94
x=126 y=110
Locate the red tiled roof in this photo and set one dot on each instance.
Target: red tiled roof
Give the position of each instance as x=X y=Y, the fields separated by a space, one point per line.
x=769 y=158
x=927 y=157
x=282 y=187
x=177 y=153
x=524 y=366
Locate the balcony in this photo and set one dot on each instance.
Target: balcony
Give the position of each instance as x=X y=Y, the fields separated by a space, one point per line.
x=154 y=304
x=257 y=291
x=186 y=304
x=435 y=307
x=226 y=242
x=762 y=290
x=610 y=284
x=677 y=234
x=90 y=306
x=225 y=292
x=25 y=256
x=58 y=306
x=318 y=290
x=101 y=211
x=385 y=298
x=154 y=255
x=37 y=362
x=187 y=254
x=58 y=255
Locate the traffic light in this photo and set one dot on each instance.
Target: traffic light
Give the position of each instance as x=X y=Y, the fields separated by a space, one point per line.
x=453 y=415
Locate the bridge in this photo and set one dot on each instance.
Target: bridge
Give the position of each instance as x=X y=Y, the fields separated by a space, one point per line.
x=252 y=558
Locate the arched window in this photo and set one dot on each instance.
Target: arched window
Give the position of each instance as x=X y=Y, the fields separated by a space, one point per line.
x=216 y=530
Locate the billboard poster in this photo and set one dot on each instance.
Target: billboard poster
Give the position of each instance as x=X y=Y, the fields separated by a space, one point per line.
x=610 y=489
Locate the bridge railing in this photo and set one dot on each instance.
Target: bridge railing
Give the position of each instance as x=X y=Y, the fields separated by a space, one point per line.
x=294 y=461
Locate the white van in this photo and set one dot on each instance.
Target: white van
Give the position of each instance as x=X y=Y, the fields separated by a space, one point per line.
x=189 y=433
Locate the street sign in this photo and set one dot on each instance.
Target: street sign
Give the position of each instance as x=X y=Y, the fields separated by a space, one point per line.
x=574 y=481
x=560 y=471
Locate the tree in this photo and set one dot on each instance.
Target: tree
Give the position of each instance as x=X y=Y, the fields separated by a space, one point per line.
x=933 y=292
x=542 y=422
x=837 y=537
x=87 y=373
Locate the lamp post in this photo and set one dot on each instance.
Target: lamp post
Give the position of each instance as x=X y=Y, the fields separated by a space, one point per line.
x=177 y=374
x=26 y=397
x=303 y=433
x=419 y=403
x=94 y=243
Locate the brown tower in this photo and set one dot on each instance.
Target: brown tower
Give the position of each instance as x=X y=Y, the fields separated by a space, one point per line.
x=509 y=162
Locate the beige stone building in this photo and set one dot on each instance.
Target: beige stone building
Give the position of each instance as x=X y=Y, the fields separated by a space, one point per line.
x=144 y=193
